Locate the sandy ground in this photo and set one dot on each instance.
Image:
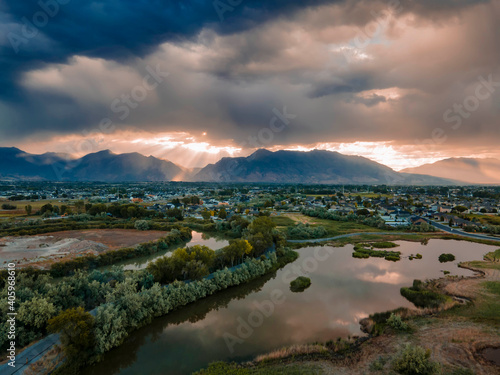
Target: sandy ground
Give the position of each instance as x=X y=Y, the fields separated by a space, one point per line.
x=40 y=251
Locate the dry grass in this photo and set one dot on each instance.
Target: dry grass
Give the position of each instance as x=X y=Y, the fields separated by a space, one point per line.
x=291 y=351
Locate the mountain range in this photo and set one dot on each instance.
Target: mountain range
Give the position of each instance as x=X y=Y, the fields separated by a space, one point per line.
x=472 y=171
x=100 y=166
x=313 y=167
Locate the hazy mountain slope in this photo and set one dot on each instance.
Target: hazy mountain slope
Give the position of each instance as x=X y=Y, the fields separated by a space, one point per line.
x=316 y=166
x=474 y=171
x=100 y=166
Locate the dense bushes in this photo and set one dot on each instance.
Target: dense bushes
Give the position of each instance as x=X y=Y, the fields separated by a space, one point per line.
x=128 y=309
x=38 y=299
x=397 y=323
x=234 y=226
x=384 y=245
x=176 y=236
x=361 y=252
x=300 y=284
x=305 y=232
x=421 y=297
x=126 y=300
x=443 y=258
x=414 y=360
x=192 y=263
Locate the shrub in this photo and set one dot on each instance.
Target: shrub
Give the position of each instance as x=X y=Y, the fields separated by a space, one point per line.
x=300 y=284
x=414 y=360
x=384 y=245
x=397 y=323
x=421 y=297
x=443 y=258
x=378 y=364
x=142 y=225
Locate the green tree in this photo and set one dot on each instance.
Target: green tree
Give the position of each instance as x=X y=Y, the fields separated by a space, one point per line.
x=79 y=206
x=36 y=312
x=76 y=329
x=206 y=214
x=222 y=214
x=29 y=209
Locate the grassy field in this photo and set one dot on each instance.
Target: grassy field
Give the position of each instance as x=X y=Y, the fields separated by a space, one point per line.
x=334 y=228
x=262 y=369
x=282 y=221
x=485 y=219
x=36 y=205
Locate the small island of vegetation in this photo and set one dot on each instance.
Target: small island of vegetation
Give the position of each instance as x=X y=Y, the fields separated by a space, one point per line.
x=443 y=258
x=300 y=284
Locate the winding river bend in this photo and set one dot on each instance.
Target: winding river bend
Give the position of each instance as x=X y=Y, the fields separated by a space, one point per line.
x=343 y=291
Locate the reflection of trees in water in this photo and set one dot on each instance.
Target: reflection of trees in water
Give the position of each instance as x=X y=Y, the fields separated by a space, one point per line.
x=126 y=355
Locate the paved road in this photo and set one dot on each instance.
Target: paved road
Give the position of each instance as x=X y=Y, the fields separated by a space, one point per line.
x=31 y=354
x=447 y=229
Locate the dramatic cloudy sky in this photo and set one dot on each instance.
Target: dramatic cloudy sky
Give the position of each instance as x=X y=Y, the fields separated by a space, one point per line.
x=402 y=82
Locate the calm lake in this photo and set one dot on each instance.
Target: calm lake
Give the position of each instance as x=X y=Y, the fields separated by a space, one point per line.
x=343 y=291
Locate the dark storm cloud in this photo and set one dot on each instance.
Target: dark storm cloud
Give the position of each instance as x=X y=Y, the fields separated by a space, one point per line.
x=264 y=55
x=114 y=29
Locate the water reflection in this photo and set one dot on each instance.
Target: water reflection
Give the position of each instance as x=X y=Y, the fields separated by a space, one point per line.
x=212 y=242
x=343 y=291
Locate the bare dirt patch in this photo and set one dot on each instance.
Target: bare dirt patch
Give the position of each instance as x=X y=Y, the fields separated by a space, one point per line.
x=40 y=251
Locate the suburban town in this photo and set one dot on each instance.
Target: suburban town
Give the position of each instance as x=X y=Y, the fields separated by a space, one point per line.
x=470 y=209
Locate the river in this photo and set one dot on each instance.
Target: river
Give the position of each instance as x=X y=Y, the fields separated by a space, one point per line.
x=343 y=291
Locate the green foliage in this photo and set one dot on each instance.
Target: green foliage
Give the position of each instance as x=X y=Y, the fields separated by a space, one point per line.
x=414 y=360
x=222 y=214
x=378 y=364
x=443 y=258
x=300 y=284
x=493 y=256
x=397 y=323
x=361 y=252
x=421 y=297
x=76 y=329
x=193 y=263
x=372 y=221
x=304 y=232
x=384 y=245
x=36 y=312
x=92 y=261
x=142 y=225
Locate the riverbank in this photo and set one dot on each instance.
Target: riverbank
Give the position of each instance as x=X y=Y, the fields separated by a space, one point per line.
x=455 y=338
